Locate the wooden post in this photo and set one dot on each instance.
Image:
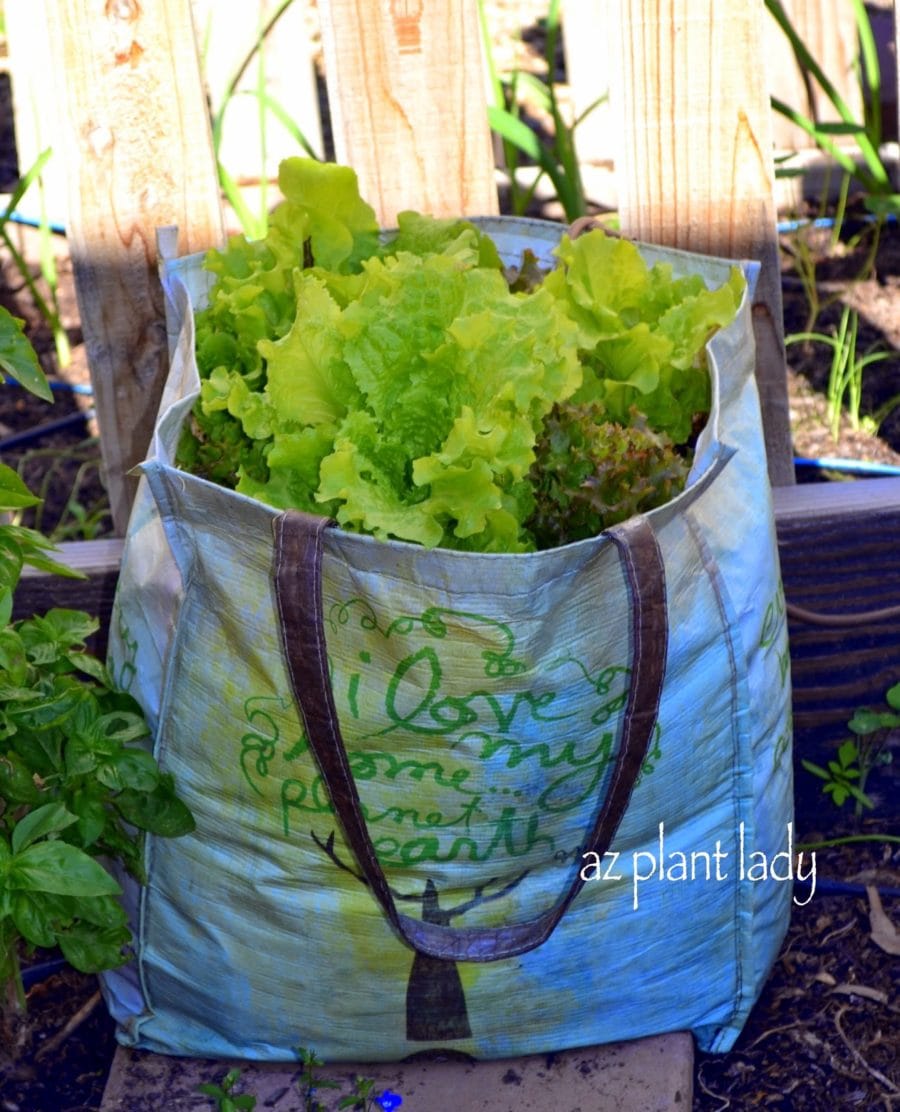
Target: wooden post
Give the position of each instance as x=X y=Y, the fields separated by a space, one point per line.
x=406 y=92
x=138 y=156
x=695 y=167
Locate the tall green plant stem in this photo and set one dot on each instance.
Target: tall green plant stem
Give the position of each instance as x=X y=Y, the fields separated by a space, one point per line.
x=867 y=134
x=49 y=311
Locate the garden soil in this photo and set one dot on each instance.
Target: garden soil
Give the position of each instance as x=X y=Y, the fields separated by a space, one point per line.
x=826 y=1033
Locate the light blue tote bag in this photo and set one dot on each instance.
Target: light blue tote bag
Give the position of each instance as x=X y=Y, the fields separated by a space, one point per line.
x=498 y=804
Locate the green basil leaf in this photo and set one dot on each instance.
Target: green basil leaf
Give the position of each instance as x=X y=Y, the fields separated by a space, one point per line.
x=60 y=868
x=10 y=558
x=6 y=603
x=92 y=818
x=130 y=768
x=17 y=781
x=123 y=726
x=33 y=919
x=102 y=911
x=159 y=812
x=49 y=819
x=90 y=665
x=14 y=494
x=91 y=951
x=70 y=627
x=18 y=358
x=81 y=757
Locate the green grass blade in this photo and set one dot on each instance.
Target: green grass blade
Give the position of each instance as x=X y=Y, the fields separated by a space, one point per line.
x=870 y=67
x=807 y=63
x=524 y=139
x=287 y=121
x=235 y=198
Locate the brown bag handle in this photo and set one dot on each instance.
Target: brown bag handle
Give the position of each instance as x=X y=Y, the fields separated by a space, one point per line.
x=298 y=589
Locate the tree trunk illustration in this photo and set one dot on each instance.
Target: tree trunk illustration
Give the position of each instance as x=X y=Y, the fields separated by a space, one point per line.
x=435 y=1000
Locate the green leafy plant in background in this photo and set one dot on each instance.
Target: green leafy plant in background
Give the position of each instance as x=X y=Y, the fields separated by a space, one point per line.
x=255 y=224
x=866 y=165
x=876 y=732
x=362 y=1098
x=556 y=157
x=86 y=513
x=848 y=367
x=76 y=782
x=49 y=310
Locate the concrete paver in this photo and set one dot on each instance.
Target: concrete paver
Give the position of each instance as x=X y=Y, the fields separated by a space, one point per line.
x=646 y=1075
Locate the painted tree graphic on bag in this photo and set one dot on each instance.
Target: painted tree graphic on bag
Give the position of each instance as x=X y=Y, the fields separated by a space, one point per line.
x=435 y=999
x=468 y=762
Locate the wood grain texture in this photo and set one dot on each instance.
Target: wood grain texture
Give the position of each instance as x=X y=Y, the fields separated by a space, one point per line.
x=695 y=166
x=406 y=92
x=138 y=156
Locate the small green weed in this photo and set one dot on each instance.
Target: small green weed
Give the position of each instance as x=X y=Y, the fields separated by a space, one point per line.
x=362 y=1097
x=875 y=732
x=848 y=367
x=49 y=310
x=255 y=225
x=224 y=1096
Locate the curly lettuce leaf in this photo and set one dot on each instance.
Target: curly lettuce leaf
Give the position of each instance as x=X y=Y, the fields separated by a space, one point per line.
x=642 y=333
x=322 y=208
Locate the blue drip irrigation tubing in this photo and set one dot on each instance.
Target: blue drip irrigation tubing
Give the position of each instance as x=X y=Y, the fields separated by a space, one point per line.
x=848 y=466
x=784 y=227
x=35 y=222
x=64 y=387
x=37 y=973
x=827 y=887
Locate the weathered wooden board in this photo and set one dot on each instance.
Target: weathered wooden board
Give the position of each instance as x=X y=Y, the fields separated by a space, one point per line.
x=840 y=555
x=406 y=88
x=138 y=156
x=696 y=169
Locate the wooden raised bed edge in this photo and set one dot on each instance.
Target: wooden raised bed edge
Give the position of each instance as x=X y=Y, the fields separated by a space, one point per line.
x=839 y=551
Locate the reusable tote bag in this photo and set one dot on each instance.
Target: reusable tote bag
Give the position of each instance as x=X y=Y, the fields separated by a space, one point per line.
x=495 y=803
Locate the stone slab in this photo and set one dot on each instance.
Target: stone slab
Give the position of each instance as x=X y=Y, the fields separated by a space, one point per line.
x=646 y=1075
